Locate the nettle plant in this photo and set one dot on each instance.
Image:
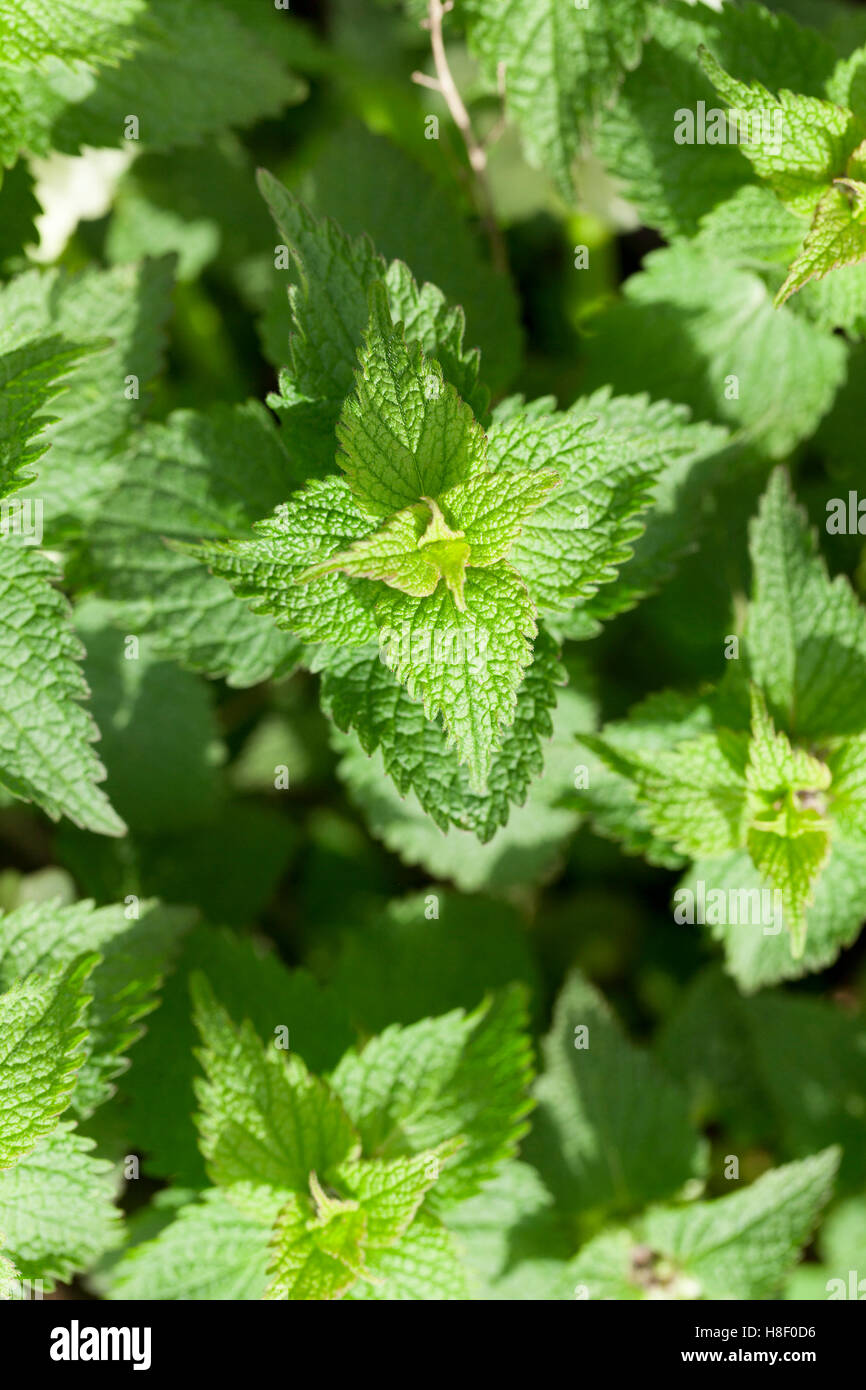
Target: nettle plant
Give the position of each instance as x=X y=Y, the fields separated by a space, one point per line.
x=760 y=782
x=434 y=568
x=389 y=1168
x=392 y=571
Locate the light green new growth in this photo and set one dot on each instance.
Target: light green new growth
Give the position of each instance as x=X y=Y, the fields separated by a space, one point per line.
x=810 y=153
x=405 y=433
x=789 y=834
x=759 y=799
x=337 y=1185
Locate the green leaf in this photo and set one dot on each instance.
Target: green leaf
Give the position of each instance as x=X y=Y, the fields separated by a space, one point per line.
x=759 y=955
x=671 y=184
x=29 y=377
x=655 y=726
x=316 y=1256
x=528 y=847
x=9 y=1280
x=358 y=691
x=200 y=475
x=163 y=774
x=694 y=795
x=45 y=733
x=424 y=1265
x=561 y=64
x=753 y=228
x=190 y=77
x=368 y=185
x=389 y=1193
x=405 y=434
x=125 y=309
x=123 y=986
x=683 y=458
x=417 y=547
x=210 y=1251
x=458 y=1076
x=775 y=1068
x=397 y=968
x=796 y=144
x=318 y=330
x=264 y=1120
x=466 y=665
x=696 y=328
x=579 y=537
x=56 y=1207
x=805 y=633
x=742 y=1245
x=506 y=1231
x=611 y=1132
x=97 y=30
x=42 y=1035
x=792 y=865
x=269 y=569
x=836 y=238
x=737 y=1247
x=847 y=764
x=251 y=983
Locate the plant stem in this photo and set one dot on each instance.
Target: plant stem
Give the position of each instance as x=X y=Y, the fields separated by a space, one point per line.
x=476 y=152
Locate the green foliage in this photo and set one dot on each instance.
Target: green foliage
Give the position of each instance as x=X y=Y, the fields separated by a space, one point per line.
x=432 y=639
x=748 y=797
x=349 y=1175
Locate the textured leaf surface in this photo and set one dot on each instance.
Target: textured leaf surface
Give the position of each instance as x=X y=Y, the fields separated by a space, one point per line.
x=761 y=955
x=29 y=377
x=695 y=326
x=673 y=184
x=358 y=691
x=367 y=184
x=265 y=1121
x=530 y=844
x=94 y=29
x=404 y=434
x=250 y=984
x=561 y=63
x=122 y=987
x=796 y=144
x=211 y=1251
x=199 y=476
x=190 y=76
x=741 y=1245
x=459 y=1075
x=317 y=330
x=806 y=633
x=120 y=312
x=42 y=1034
x=45 y=733
x=579 y=537
x=56 y=1207
x=424 y=1265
